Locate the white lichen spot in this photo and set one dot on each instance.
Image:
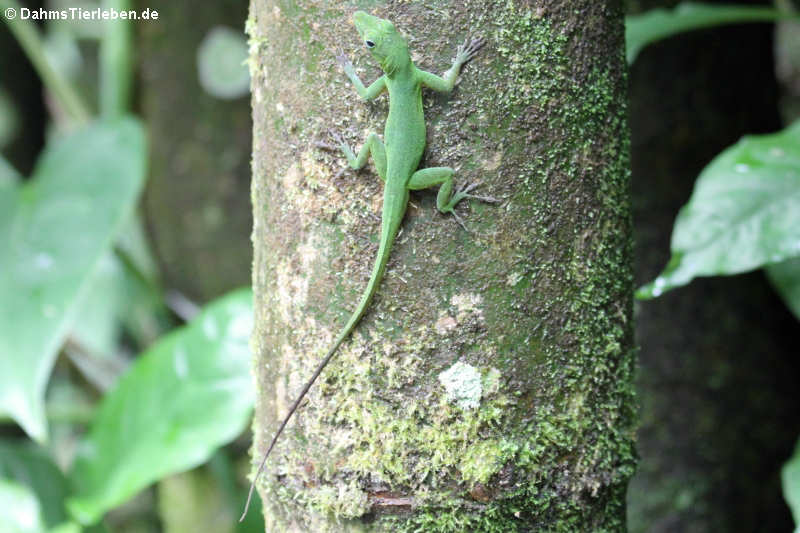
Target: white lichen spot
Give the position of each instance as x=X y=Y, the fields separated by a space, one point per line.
x=445 y=324
x=462 y=382
x=742 y=168
x=776 y=151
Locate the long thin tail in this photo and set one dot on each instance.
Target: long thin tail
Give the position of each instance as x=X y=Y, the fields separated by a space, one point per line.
x=366 y=298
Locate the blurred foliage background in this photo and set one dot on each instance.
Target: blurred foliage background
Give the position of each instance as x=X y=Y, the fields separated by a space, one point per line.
x=124 y=217
x=125 y=391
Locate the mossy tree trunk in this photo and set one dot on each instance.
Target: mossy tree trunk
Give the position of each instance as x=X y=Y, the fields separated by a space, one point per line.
x=529 y=314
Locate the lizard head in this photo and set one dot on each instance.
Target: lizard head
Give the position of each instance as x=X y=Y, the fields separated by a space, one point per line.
x=383 y=41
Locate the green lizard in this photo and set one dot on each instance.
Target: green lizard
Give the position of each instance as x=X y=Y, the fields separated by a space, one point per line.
x=396 y=160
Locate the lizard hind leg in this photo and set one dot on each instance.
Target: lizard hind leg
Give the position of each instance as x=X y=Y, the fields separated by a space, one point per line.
x=447 y=198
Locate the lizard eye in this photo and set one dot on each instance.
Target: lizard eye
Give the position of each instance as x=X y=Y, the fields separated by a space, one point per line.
x=369 y=44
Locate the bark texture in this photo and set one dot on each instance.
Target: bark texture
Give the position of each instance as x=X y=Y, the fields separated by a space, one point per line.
x=718 y=359
x=530 y=312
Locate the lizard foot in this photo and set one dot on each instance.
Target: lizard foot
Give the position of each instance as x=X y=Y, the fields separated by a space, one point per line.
x=325 y=146
x=344 y=62
x=340 y=145
x=338 y=140
x=468 y=50
x=460 y=222
x=460 y=194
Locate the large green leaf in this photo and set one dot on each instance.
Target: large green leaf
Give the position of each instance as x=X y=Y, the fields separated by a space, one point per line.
x=124 y=293
x=744 y=213
x=187 y=395
x=121 y=295
x=19 y=510
x=785 y=277
x=97 y=324
x=657 y=24
x=790 y=479
x=53 y=231
x=33 y=468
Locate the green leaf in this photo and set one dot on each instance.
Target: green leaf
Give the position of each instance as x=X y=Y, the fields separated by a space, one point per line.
x=53 y=231
x=33 y=468
x=744 y=213
x=790 y=479
x=187 y=395
x=146 y=316
x=657 y=24
x=19 y=510
x=220 y=63
x=117 y=298
x=785 y=277
x=97 y=325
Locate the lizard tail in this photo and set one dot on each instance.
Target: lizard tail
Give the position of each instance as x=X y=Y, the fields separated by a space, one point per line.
x=374 y=280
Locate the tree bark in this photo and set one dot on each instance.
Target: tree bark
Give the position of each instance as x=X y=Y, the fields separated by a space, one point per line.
x=531 y=309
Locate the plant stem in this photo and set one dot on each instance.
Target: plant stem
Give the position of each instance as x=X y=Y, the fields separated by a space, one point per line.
x=29 y=39
x=115 y=63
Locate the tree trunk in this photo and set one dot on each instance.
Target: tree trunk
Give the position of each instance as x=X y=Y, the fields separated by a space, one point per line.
x=529 y=312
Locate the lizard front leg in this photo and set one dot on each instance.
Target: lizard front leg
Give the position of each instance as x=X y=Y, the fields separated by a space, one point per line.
x=366 y=93
x=445 y=84
x=374 y=146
